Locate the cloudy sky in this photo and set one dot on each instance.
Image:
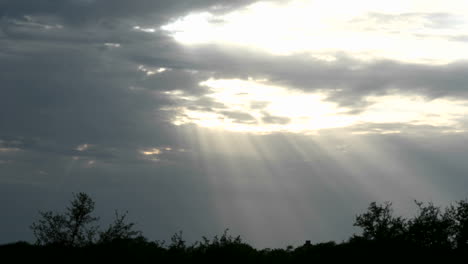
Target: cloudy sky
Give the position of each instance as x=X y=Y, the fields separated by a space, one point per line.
x=280 y=120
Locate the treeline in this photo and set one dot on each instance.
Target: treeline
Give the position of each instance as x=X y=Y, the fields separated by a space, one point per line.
x=434 y=233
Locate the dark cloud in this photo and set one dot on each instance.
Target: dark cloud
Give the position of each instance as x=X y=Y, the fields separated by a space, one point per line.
x=350 y=78
x=62 y=87
x=346 y=80
x=88 y=12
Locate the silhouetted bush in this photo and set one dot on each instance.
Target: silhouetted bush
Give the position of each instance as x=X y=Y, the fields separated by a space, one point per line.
x=431 y=228
x=379 y=224
x=120 y=231
x=73 y=237
x=73 y=228
x=458 y=214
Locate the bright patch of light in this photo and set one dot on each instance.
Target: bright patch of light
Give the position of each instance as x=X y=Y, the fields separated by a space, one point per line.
x=2 y=149
x=414 y=110
x=401 y=30
x=90 y=163
x=152 y=151
x=147 y=30
x=151 y=71
x=112 y=45
x=155 y=154
x=83 y=147
x=159 y=70
x=259 y=107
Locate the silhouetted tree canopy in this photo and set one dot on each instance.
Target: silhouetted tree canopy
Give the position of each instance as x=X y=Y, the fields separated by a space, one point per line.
x=379 y=224
x=431 y=228
x=119 y=230
x=458 y=215
x=433 y=233
x=75 y=227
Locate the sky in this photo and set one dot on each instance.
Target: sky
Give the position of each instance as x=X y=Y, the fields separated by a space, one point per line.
x=280 y=120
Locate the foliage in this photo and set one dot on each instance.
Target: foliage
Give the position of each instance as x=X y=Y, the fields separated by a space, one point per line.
x=119 y=230
x=75 y=227
x=432 y=233
x=177 y=242
x=458 y=214
x=379 y=224
x=431 y=227
x=224 y=244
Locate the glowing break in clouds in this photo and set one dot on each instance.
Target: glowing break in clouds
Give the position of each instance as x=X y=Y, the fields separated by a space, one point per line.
x=405 y=30
x=151 y=71
x=83 y=147
x=153 y=154
x=258 y=107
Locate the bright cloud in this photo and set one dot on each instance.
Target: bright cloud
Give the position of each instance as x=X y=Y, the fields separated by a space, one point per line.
x=151 y=151
x=151 y=71
x=147 y=30
x=83 y=147
x=259 y=107
x=112 y=45
x=410 y=31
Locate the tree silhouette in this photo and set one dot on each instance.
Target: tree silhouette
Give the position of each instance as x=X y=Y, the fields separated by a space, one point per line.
x=379 y=224
x=431 y=228
x=431 y=233
x=459 y=230
x=119 y=230
x=73 y=228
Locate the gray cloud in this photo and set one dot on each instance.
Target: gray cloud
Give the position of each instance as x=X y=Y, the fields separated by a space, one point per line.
x=347 y=80
x=84 y=12
x=239 y=117
x=269 y=119
x=352 y=77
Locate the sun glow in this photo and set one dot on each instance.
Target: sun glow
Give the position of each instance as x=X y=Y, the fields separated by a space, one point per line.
x=260 y=107
x=409 y=31
x=152 y=151
x=253 y=106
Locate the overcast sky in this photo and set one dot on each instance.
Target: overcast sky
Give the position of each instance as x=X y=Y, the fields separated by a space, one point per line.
x=280 y=120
